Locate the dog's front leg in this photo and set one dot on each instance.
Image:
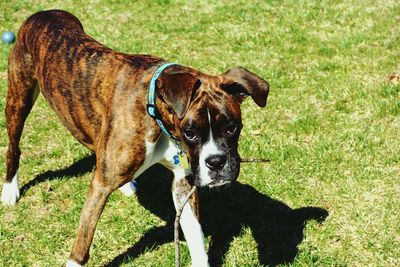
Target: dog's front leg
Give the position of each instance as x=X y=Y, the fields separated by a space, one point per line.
x=189 y=220
x=94 y=204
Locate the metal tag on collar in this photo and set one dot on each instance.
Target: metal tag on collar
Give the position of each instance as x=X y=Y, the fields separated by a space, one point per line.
x=181 y=159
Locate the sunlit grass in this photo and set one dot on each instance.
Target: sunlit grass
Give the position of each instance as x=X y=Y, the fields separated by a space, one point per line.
x=331 y=131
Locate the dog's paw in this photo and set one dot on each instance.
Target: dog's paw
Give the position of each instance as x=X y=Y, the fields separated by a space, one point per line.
x=10 y=193
x=129 y=189
x=72 y=263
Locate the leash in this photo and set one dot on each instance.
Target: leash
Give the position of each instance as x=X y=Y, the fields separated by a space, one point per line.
x=181 y=157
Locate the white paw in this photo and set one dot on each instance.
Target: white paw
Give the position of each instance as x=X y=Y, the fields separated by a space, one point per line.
x=72 y=263
x=129 y=189
x=10 y=193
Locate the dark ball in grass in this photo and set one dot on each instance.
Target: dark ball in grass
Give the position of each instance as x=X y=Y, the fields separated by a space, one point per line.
x=8 y=37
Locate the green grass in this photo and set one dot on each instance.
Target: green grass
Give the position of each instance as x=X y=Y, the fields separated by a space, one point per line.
x=331 y=131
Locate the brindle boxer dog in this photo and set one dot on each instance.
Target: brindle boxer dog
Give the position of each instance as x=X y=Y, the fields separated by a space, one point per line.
x=101 y=96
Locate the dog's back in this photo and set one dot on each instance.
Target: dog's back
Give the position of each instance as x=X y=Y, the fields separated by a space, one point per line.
x=72 y=70
x=53 y=30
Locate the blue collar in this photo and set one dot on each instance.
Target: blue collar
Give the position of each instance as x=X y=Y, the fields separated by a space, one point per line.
x=181 y=157
x=151 y=97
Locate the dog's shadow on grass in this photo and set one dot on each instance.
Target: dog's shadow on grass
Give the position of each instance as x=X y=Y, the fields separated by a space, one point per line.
x=276 y=228
x=79 y=167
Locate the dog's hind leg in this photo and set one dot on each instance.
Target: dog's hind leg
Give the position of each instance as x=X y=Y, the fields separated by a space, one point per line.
x=22 y=93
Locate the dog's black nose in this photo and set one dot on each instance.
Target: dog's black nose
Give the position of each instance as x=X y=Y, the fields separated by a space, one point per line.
x=215 y=162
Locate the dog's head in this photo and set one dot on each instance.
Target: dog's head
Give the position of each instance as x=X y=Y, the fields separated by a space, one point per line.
x=208 y=119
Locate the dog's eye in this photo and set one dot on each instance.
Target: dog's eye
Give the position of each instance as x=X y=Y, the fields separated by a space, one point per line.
x=230 y=129
x=191 y=135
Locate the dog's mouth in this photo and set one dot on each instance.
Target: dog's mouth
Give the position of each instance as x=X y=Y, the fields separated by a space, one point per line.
x=218 y=182
x=214 y=181
x=222 y=177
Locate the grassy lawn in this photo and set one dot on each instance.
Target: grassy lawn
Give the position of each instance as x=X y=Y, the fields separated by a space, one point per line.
x=330 y=195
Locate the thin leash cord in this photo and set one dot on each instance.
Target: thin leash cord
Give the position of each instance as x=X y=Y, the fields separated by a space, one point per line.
x=252 y=160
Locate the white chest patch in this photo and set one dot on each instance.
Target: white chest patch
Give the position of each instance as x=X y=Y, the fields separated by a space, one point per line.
x=163 y=151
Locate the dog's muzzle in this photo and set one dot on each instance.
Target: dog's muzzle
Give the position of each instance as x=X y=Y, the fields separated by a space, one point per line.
x=221 y=169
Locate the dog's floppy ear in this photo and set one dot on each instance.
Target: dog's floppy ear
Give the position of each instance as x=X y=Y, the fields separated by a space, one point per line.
x=176 y=90
x=242 y=83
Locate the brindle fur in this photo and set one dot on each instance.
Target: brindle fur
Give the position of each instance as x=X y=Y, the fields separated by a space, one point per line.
x=100 y=96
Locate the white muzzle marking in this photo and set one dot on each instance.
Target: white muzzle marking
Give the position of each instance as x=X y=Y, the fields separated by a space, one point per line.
x=208 y=149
